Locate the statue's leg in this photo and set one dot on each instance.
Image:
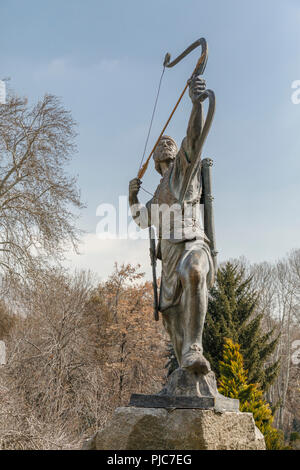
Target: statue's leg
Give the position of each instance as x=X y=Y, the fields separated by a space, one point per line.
x=184 y=322
x=193 y=271
x=174 y=327
x=171 y=292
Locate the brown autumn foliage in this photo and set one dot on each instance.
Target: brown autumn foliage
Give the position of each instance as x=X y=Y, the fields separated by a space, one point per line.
x=124 y=337
x=77 y=354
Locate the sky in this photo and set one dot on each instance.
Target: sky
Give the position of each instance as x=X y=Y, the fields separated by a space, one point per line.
x=104 y=59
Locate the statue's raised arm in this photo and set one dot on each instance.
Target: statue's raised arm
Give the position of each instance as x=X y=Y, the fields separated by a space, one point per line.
x=196 y=121
x=189 y=157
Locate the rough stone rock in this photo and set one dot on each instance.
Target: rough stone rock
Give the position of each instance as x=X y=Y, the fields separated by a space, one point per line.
x=133 y=428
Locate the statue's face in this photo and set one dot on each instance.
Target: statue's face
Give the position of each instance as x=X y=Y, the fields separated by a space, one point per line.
x=165 y=150
x=164 y=154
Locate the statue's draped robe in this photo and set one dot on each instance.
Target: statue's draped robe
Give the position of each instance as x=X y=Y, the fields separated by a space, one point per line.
x=185 y=233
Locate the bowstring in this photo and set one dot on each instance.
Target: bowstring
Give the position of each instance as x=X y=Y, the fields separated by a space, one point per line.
x=151 y=194
x=152 y=118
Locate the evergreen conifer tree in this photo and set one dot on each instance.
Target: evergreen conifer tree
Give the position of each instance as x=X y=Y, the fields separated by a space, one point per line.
x=231 y=314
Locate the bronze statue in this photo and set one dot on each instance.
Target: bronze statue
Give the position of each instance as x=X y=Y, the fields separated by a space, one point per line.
x=187 y=253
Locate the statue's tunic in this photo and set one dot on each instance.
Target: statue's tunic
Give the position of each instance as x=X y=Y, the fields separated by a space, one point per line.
x=185 y=233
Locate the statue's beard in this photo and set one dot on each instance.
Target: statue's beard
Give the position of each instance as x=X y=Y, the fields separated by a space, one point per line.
x=165 y=154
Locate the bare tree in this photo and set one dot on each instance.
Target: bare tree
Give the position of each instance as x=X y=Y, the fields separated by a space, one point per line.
x=279 y=287
x=294 y=264
x=46 y=363
x=36 y=195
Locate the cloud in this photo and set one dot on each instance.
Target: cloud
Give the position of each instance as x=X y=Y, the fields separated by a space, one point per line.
x=57 y=67
x=64 y=67
x=100 y=255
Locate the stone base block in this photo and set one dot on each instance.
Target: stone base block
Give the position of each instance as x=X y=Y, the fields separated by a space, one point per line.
x=218 y=403
x=134 y=428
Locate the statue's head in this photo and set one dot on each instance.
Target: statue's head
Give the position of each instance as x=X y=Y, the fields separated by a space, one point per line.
x=164 y=153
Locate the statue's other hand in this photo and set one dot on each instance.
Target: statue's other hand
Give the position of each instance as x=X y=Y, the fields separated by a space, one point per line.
x=134 y=187
x=197 y=86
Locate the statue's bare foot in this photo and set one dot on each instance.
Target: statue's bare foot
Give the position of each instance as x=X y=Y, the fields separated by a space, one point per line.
x=194 y=361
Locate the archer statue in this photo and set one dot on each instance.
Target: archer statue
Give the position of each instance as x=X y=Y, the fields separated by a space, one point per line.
x=187 y=248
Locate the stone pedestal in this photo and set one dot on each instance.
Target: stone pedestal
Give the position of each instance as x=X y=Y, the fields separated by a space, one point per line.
x=133 y=428
x=186 y=389
x=188 y=414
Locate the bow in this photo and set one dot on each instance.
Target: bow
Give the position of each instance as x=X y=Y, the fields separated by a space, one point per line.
x=199 y=70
